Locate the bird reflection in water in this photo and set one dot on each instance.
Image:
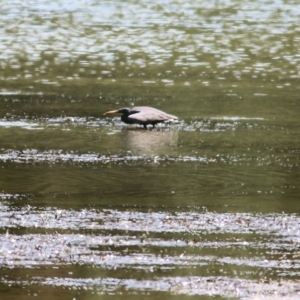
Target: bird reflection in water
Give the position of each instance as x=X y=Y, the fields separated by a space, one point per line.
x=151 y=142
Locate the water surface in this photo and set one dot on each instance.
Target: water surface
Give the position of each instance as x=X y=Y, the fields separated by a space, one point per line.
x=207 y=207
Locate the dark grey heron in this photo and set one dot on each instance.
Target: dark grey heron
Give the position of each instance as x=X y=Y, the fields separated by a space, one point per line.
x=142 y=115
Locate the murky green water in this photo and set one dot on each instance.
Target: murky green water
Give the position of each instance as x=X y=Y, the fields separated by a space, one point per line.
x=207 y=207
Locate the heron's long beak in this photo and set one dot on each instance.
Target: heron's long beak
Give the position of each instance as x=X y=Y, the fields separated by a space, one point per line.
x=110 y=112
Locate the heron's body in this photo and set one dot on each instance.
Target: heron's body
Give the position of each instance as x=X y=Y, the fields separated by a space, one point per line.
x=143 y=115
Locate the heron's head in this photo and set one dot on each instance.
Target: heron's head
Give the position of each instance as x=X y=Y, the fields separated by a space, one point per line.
x=123 y=111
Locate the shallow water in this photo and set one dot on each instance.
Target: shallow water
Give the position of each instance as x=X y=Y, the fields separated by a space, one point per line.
x=207 y=207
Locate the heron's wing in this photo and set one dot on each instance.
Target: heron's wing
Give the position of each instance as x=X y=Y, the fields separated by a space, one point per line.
x=150 y=114
x=140 y=117
x=149 y=118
